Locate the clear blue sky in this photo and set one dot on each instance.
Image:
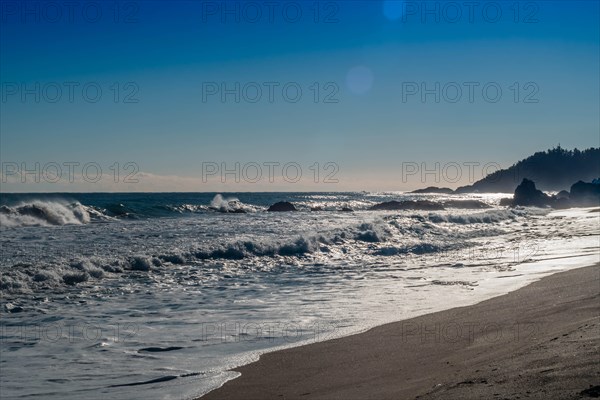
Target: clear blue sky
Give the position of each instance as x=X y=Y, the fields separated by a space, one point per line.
x=370 y=57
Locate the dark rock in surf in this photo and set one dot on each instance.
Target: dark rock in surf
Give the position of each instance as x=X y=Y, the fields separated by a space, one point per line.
x=585 y=194
x=407 y=205
x=347 y=209
x=434 y=189
x=468 y=204
x=75 y=278
x=282 y=206
x=582 y=194
x=561 y=200
x=159 y=349
x=13 y=309
x=592 y=391
x=526 y=194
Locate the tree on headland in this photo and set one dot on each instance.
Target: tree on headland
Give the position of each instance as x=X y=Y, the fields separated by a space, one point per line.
x=554 y=169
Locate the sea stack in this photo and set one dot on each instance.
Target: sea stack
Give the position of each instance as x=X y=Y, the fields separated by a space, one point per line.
x=526 y=194
x=282 y=206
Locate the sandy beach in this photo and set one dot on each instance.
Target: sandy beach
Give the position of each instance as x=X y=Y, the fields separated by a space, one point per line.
x=257 y=200
x=539 y=342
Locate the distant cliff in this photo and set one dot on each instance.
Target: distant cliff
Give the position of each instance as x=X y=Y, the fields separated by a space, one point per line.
x=552 y=170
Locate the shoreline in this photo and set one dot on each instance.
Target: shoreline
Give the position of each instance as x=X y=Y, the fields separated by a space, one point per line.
x=518 y=344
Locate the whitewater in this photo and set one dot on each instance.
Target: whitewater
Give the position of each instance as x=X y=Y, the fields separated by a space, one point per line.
x=158 y=296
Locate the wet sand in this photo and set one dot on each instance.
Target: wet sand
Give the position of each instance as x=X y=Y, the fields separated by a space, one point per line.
x=539 y=342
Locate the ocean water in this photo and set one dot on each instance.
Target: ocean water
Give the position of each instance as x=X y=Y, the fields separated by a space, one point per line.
x=157 y=296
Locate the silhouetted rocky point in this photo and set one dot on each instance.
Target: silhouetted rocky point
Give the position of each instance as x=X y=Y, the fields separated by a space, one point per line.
x=434 y=189
x=282 y=206
x=553 y=169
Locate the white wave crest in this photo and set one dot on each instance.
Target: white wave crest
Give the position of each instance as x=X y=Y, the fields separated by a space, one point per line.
x=230 y=205
x=44 y=213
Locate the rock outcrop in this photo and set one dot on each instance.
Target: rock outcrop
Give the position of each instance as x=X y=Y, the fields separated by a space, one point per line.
x=551 y=170
x=467 y=204
x=282 y=206
x=585 y=194
x=526 y=194
x=582 y=194
x=407 y=205
x=434 y=189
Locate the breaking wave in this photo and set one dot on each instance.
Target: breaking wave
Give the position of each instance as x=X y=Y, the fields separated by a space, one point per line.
x=383 y=236
x=45 y=213
x=26 y=210
x=189 y=250
x=485 y=217
x=230 y=205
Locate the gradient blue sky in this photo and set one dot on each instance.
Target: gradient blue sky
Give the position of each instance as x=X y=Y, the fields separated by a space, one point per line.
x=367 y=49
